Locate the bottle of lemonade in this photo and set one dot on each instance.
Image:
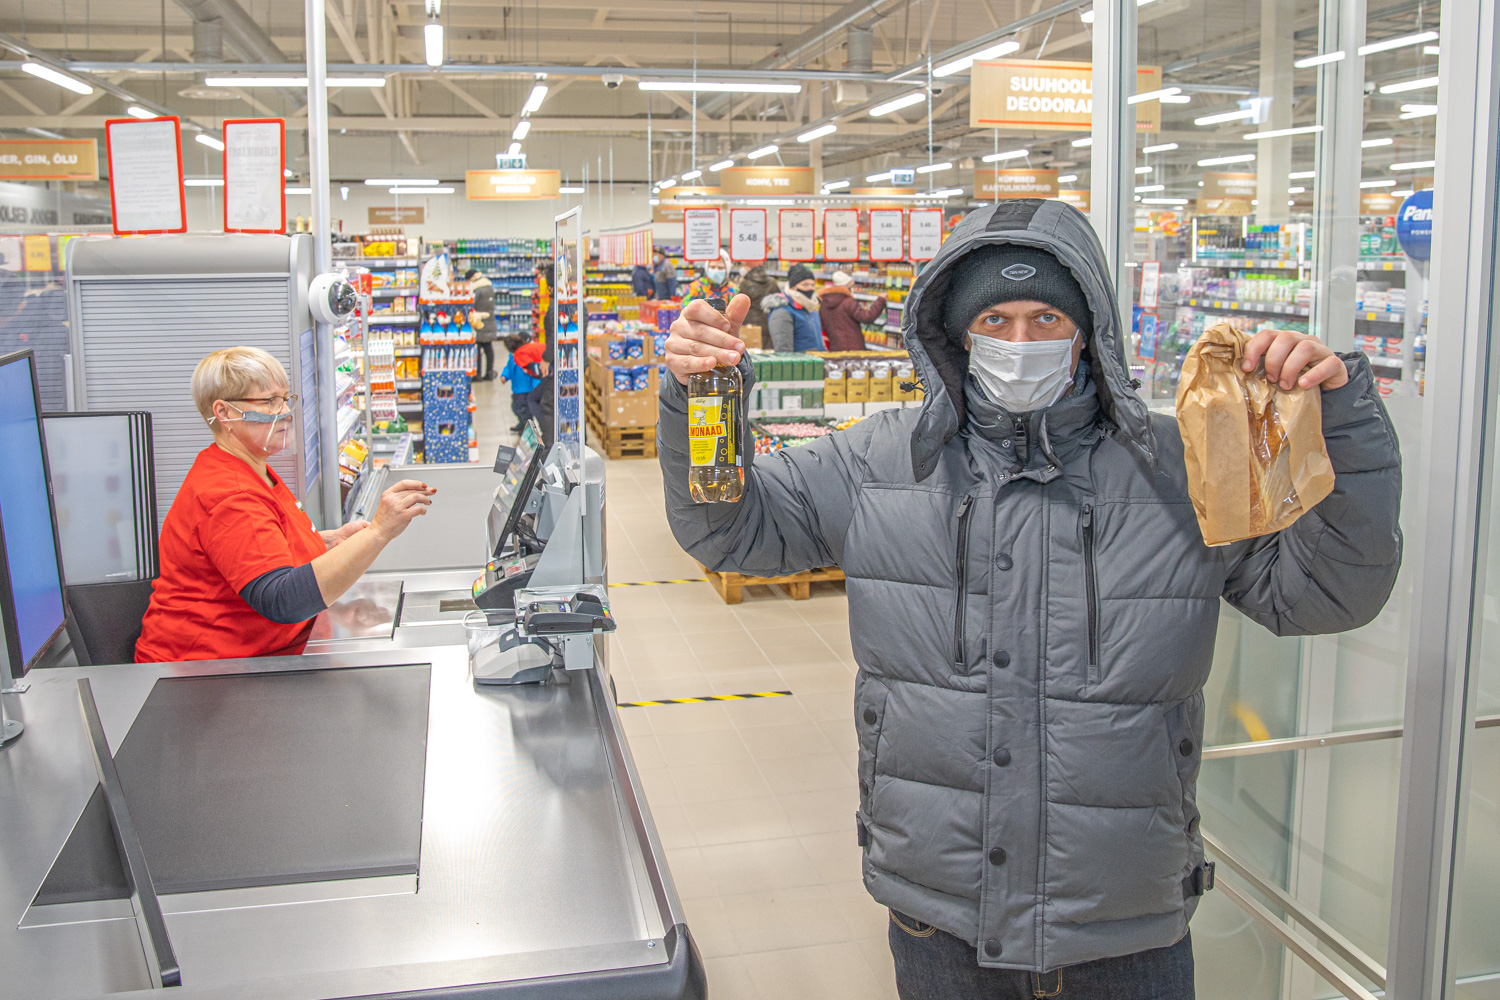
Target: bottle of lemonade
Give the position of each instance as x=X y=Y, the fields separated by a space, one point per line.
x=716 y=467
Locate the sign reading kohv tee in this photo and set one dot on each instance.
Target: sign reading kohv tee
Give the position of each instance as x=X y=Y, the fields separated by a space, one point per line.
x=512 y=185
x=1058 y=96
x=766 y=180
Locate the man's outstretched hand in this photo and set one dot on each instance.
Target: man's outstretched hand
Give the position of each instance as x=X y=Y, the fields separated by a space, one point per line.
x=703 y=339
x=1287 y=352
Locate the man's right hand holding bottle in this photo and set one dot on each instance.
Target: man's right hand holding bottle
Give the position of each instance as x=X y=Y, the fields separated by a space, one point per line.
x=703 y=338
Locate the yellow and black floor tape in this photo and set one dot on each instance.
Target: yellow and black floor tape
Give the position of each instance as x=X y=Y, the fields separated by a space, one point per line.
x=658 y=583
x=704 y=698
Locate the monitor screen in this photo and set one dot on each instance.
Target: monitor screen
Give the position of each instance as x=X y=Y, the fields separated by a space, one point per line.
x=31 y=594
x=516 y=484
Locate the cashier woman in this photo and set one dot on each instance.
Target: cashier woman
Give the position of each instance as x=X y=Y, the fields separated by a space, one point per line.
x=243 y=569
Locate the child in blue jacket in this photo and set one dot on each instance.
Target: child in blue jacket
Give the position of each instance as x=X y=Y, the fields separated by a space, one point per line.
x=523 y=375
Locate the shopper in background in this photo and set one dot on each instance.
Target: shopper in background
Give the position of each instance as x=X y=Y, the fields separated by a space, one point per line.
x=757 y=284
x=642 y=284
x=712 y=281
x=843 y=315
x=792 y=316
x=1033 y=609
x=523 y=372
x=243 y=570
x=665 y=275
x=482 y=318
x=540 y=400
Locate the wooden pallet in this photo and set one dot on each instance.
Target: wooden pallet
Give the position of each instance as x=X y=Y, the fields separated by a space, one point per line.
x=797 y=585
x=617 y=442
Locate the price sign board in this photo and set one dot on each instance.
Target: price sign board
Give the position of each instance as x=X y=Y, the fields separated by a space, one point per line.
x=254 y=185
x=798 y=234
x=887 y=234
x=841 y=234
x=747 y=235
x=145 y=175
x=926 y=233
x=700 y=234
x=1150 y=283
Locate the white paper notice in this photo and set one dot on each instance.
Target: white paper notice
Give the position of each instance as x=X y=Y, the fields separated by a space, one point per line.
x=1150 y=283
x=145 y=177
x=700 y=233
x=747 y=234
x=10 y=253
x=841 y=234
x=254 y=199
x=887 y=232
x=926 y=233
x=797 y=236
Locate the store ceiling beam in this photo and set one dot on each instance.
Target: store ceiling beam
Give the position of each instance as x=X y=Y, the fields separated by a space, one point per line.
x=471 y=124
x=457 y=70
x=29 y=51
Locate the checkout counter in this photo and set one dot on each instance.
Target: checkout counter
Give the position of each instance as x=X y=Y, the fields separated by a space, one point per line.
x=365 y=820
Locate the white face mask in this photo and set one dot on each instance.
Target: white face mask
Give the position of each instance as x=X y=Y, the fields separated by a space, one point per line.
x=714 y=275
x=1022 y=376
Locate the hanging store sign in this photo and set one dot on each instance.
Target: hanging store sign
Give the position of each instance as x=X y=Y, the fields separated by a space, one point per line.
x=1016 y=182
x=396 y=215
x=1226 y=194
x=700 y=234
x=145 y=175
x=841 y=234
x=672 y=201
x=887 y=234
x=747 y=235
x=1078 y=199
x=1378 y=203
x=254 y=185
x=890 y=192
x=766 y=180
x=1056 y=96
x=1150 y=283
x=512 y=185
x=1414 y=225
x=797 y=232
x=49 y=160
x=926 y=232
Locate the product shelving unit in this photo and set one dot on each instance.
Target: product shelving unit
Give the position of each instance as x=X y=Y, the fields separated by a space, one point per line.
x=892 y=279
x=446 y=348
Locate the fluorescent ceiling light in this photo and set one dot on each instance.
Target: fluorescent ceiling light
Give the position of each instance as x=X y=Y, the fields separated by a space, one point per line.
x=756 y=154
x=1144 y=170
x=430 y=190
x=44 y=133
x=400 y=181
x=535 y=99
x=1067 y=178
x=963 y=63
x=933 y=168
x=692 y=175
x=897 y=103
x=514 y=149
x=1415 y=165
x=299 y=190
x=1320 y=59
x=1296 y=190
x=1163 y=148
x=1164 y=201
x=818 y=133
x=1176 y=98
x=877 y=178
x=1402 y=194
x=51 y=75
x=1398 y=43
x=667 y=182
x=1302 y=175
x=522 y=128
x=1009 y=154
x=721 y=165
x=1401 y=88
x=1371 y=143
x=1278 y=133
x=1149 y=187
x=653 y=201
x=1214 y=161
x=1418 y=110
x=1087 y=140
x=721 y=87
x=1153 y=95
x=835 y=185
x=209 y=141
x=432 y=39
x=1377 y=184
x=945 y=193
x=203 y=182
x=291 y=81
x=1225 y=116
x=572 y=189
x=1429 y=50
x=136 y=111
x=286 y=172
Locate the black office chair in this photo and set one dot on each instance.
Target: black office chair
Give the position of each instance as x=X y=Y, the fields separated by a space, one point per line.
x=104 y=620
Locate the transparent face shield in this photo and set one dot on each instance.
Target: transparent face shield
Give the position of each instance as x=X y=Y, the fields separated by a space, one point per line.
x=255 y=420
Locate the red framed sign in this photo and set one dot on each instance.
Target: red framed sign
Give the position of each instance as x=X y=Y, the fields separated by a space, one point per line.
x=797 y=234
x=841 y=234
x=700 y=234
x=887 y=234
x=145 y=175
x=747 y=235
x=926 y=232
x=254 y=185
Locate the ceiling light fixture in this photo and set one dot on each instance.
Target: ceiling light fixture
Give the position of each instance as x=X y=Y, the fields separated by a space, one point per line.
x=253 y=82
x=1398 y=43
x=1153 y=95
x=1067 y=178
x=1164 y=201
x=1429 y=50
x=1176 y=98
x=136 y=111
x=1302 y=175
x=1215 y=161
x=692 y=175
x=1409 y=111
x=344 y=192
x=1144 y=170
x=1225 y=116
x=834 y=186
x=570 y=189
x=522 y=128
x=933 y=168
x=1149 y=187
x=721 y=87
x=877 y=178
x=514 y=149
x=1320 y=59
x=1163 y=148
x=209 y=141
x=1401 y=88
x=1415 y=165
x=1086 y=141
x=897 y=103
x=667 y=182
x=1009 y=154
x=945 y=193
x=1377 y=184
x=1372 y=143
x=299 y=190
x=963 y=63
x=1296 y=190
x=432 y=34
x=721 y=165
x=400 y=181
x=43 y=72
x=1402 y=194
x=535 y=99
x=203 y=182
x=1280 y=133
x=818 y=133
x=756 y=154
x=422 y=190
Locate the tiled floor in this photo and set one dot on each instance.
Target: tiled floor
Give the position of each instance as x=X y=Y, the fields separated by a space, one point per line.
x=754 y=800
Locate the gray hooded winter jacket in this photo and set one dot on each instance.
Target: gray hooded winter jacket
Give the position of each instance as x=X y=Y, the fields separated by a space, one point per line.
x=1033 y=611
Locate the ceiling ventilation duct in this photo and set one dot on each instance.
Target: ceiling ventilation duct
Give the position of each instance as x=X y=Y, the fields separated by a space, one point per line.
x=208 y=47
x=859 y=57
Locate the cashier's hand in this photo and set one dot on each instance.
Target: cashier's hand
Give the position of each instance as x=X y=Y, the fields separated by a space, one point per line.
x=1287 y=353
x=398 y=505
x=702 y=339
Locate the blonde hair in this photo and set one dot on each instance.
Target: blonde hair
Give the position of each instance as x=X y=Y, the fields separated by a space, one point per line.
x=234 y=373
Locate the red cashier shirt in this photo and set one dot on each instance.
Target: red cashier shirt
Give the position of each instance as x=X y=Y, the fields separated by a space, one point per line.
x=225 y=528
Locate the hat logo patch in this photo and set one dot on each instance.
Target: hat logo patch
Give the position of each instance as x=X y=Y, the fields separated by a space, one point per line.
x=1018 y=272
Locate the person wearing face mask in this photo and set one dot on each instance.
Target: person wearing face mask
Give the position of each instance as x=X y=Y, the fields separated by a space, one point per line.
x=792 y=317
x=1033 y=610
x=713 y=283
x=243 y=569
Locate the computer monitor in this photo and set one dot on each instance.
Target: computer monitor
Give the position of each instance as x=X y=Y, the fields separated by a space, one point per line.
x=103 y=479
x=32 y=605
x=516 y=485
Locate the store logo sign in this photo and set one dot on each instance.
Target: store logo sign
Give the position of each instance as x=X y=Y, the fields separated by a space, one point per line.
x=1414 y=225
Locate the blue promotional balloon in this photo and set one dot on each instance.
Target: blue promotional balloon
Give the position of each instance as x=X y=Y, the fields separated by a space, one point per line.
x=1414 y=225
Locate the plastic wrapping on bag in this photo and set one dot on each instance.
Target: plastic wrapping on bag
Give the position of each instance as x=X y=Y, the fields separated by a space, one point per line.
x=1254 y=452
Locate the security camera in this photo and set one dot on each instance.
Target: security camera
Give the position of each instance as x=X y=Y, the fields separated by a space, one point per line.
x=613 y=80
x=331 y=298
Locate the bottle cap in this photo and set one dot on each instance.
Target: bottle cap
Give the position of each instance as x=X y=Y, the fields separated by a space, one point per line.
x=717 y=304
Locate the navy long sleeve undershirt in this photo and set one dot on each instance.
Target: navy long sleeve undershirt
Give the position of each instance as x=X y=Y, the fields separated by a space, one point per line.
x=285 y=596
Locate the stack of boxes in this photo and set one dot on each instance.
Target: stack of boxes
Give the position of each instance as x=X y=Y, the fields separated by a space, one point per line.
x=445 y=416
x=857 y=382
x=786 y=385
x=624 y=376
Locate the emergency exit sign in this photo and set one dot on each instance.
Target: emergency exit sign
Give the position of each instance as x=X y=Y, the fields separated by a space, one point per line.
x=904 y=177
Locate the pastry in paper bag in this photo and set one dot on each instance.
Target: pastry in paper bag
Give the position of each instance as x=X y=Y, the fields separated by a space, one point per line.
x=1254 y=451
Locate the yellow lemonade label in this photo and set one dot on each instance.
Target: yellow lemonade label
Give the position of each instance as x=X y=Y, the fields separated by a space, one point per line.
x=706 y=428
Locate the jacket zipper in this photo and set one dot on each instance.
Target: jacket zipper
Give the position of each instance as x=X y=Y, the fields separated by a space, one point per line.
x=963 y=582
x=1092 y=590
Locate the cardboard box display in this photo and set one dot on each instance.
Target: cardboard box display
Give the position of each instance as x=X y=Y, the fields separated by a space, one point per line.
x=753 y=336
x=633 y=408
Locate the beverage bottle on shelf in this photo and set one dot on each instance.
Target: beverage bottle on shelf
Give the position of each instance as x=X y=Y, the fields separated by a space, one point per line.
x=716 y=471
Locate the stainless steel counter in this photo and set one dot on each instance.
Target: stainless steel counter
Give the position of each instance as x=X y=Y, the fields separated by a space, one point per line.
x=539 y=869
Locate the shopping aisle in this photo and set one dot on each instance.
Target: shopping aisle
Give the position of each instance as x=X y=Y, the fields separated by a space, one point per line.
x=493 y=418
x=754 y=799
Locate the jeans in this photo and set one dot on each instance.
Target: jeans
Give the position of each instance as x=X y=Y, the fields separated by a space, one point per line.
x=934 y=965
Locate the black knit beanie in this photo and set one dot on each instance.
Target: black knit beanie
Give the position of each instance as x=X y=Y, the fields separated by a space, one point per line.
x=797 y=274
x=1005 y=272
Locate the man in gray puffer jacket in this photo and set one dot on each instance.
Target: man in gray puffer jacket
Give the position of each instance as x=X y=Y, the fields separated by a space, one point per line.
x=1033 y=609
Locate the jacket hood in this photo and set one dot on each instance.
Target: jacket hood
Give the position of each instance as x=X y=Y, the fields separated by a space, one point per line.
x=943 y=365
x=773 y=301
x=479 y=281
x=833 y=291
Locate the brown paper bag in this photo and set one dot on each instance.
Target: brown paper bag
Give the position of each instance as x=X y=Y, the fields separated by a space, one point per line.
x=1254 y=452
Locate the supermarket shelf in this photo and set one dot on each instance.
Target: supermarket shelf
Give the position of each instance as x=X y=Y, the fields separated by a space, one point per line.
x=881 y=347
x=408 y=383
x=392 y=290
x=404 y=318
x=1247 y=262
x=379 y=263
x=1235 y=305
x=1397 y=264
x=409 y=407
x=348 y=421
x=1384 y=362
x=408 y=352
x=1381 y=315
